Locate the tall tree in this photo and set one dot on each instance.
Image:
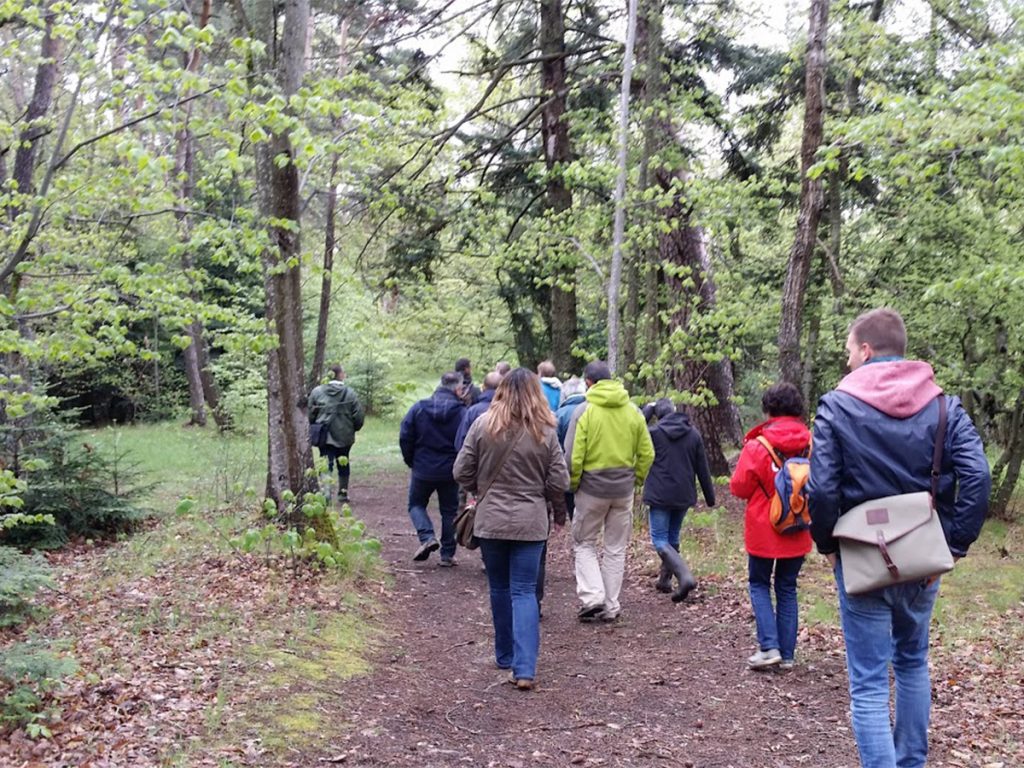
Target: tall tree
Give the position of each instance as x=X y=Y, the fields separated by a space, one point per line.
x=277 y=179
x=619 y=226
x=812 y=199
x=557 y=154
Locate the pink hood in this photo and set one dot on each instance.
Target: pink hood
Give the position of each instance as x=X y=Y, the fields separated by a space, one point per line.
x=899 y=388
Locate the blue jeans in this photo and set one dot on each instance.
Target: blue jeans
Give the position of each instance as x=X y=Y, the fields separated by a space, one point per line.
x=665 y=526
x=881 y=628
x=776 y=628
x=447 y=501
x=512 y=568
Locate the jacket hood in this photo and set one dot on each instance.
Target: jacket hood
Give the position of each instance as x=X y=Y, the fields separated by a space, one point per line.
x=442 y=405
x=573 y=400
x=675 y=426
x=787 y=434
x=898 y=389
x=608 y=393
x=335 y=387
x=552 y=381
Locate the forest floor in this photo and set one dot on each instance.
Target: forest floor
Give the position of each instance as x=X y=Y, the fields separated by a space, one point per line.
x=177 y=671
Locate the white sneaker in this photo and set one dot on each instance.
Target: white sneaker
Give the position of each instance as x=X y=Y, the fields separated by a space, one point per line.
x=763 y=659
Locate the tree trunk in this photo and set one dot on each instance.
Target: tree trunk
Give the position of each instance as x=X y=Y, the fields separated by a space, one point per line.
x=558 y=197
x=320 y=349
x=202 y=390
x=651 y=85
x=619 y=225
x=811 y=199
x=1006 y=472
x=289 y=455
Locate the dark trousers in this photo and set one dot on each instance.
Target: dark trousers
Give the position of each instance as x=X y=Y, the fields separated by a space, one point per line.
x=334 y=454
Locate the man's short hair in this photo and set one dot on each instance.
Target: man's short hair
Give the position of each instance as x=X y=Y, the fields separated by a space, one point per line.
x=546 y=368
x=783 y=399
x=502 y=367
x=451 y=380
x=492 y=380
x=338 y=371
x=462 y=364
x=596 y=371
x=883 y=329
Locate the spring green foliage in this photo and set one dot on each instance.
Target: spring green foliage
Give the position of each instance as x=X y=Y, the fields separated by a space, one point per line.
x=28 y=672
x=445 y=246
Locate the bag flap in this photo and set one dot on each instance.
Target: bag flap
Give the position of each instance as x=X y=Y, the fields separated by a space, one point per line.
x=893 y=516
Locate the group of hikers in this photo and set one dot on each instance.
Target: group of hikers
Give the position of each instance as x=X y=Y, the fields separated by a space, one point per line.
x=531 y=451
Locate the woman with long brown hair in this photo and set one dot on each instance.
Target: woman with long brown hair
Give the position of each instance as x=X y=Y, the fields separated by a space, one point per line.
x=512 y=462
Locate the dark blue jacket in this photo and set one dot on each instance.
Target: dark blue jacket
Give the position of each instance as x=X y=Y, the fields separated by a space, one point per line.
x=474 y=412
x=679 y=461
x=861 y=453
x=564 y=415
x=427 y=435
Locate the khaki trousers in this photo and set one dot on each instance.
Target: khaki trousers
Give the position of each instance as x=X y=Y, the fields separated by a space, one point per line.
x=599 y=582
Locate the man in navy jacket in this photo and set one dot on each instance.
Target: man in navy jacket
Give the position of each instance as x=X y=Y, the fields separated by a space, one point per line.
x=874 y=436
x=427 y=440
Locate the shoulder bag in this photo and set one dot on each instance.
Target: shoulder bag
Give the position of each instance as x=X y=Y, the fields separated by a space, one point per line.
x=896 y=539
x=467 y=515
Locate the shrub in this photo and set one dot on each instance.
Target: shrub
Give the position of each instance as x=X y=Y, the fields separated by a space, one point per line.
x=75 y=488
x=28 y=673
x=22 y=576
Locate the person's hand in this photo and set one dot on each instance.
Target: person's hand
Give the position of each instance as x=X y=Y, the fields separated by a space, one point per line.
x=832 y=559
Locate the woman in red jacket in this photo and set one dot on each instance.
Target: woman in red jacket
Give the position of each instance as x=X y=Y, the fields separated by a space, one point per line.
x=768 y=551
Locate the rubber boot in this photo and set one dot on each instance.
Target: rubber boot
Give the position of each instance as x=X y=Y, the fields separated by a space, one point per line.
x=675 y=563
x=664 y=582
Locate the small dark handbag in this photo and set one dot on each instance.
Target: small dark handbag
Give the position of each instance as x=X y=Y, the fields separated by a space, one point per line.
x=466 y=518
x=318 y=434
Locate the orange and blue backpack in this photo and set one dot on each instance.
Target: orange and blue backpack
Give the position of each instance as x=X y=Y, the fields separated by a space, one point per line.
x=788 y=512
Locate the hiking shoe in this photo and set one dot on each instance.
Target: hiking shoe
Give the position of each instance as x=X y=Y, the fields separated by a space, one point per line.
x=608 y=616
x=522 y=683
x=448 y=562
x=431 y=545
x=763 y=659
x=590 y=613
x=786 y=664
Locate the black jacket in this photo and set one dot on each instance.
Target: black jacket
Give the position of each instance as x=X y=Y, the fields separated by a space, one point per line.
x=427 y=435
x=679 y=461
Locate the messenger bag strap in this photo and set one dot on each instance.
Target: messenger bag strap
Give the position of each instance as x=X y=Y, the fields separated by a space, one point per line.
x=501 y=464
x=940 y=439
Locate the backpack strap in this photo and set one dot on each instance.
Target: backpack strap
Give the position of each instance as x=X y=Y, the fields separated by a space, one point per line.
x=777 y=460
x=940 y=439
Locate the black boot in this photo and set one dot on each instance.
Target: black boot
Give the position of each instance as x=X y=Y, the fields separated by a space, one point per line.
x=664 y=582
x=675 y=563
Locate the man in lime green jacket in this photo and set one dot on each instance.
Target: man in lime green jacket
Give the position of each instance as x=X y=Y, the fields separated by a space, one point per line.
x=610 y=452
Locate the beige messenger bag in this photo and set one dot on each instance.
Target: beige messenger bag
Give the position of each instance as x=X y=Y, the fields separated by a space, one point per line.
x=895 y=539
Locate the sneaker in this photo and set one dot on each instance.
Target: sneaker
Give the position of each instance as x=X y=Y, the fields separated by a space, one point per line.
x=786 y=664
x=590 y=613
x=431 y=545
x=608 y=616
x=448 y=562
x=763 y=659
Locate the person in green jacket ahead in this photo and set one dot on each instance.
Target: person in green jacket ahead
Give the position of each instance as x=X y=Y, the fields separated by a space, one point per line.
x=337 y=405
x=610 y=453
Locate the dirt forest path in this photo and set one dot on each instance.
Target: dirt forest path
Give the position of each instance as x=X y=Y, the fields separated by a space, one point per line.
x=666 y=685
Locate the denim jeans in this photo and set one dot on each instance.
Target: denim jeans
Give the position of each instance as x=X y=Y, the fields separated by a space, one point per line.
x=776 y=627
x=512 y=568
x=665 y=526
x=333 y=452
x=881 y=628
x=447 y=501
